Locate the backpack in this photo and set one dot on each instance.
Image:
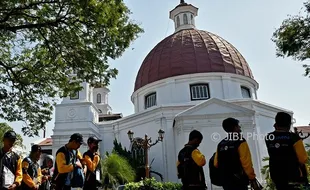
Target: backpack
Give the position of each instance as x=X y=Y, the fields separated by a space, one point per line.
x=78 y=177
x=214 y=173
x=184 y=158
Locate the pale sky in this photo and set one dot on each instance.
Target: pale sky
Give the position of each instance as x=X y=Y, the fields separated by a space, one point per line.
x=248 y=25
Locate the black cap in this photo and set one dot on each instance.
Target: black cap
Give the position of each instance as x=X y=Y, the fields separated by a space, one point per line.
x=93 y=139
x=77 y=137
x=10 y=135
x=36 y=148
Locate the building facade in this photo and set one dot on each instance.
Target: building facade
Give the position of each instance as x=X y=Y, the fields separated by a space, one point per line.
x=192 y=79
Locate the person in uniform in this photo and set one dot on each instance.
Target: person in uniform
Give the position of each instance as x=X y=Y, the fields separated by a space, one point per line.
x=65 y=165
x=10 y=163
x=92 y=160
x=233 y=158
x=287 y=155
x=190 y=163
x=32 y=176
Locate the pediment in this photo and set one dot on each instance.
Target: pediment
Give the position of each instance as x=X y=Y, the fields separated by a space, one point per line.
x=215 y=106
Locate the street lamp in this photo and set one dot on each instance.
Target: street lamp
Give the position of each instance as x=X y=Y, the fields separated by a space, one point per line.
x=301 y=134
x=146 y=144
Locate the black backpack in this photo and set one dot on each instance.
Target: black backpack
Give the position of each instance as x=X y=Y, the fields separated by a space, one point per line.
x=185 y=158
x=214 y=173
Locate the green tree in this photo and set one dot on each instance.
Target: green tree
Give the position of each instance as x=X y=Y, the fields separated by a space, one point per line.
x=48 y=47
x=292 y=38
x=4 y=127
x=116 y=170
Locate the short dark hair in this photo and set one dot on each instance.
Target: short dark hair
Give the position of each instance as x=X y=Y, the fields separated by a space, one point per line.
x=229 y=124
x=283 y=120
x=36 y=148
x=195 y=135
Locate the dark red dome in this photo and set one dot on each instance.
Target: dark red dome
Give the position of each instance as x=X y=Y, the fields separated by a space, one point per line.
x=191 y=51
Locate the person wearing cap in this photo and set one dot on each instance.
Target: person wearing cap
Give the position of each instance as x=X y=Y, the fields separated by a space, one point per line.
x=233 y=159
x=32 y=175
x=10 y=163
x=287 y=155
x=68 y=157
x=92 y=160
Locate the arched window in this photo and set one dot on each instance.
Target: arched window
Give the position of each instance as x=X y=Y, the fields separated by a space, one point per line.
x=98 y=98
x=185 y=19
x=199 y=91
x=150 y=100
x=246 y=93
x=178 y=21
x=137 y=152
x=192 y=19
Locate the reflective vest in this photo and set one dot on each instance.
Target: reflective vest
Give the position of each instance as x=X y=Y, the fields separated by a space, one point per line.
x=229 y=163
x=283 y=162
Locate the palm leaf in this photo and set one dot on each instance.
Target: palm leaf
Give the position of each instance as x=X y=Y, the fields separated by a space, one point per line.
x=117 y=169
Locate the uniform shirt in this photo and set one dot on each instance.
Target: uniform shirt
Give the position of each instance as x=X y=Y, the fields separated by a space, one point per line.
x=7 y=161
x=66 y=168
x=245 y=159
x=29 y=177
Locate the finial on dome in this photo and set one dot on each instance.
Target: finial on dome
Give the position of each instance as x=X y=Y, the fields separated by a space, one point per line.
x=182 y=1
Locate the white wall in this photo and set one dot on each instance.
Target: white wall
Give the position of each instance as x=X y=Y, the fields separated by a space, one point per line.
x=74 y=118
x=177 y=89
x=83 y=95
x=149 y=123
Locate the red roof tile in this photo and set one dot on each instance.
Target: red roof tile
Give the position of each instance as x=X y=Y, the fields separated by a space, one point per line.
x=304 y=129
x=46 y=142
x=191 y=51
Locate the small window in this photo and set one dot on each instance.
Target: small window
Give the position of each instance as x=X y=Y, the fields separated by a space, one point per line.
x=199 y=91
x=98 y=98
x=246 y=93
x=74 y=96
x=150 y=100
x=192 y=19
x=185 y=19
x=178 y=21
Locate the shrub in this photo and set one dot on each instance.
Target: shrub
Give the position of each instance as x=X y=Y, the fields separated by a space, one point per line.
x=152 y=184
x=116 y=170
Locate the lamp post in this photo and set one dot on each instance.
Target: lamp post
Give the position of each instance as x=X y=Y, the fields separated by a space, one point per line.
x=301 y=134
x=146 y=144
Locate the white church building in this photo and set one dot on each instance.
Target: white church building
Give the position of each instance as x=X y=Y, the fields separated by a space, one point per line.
x=192 y=79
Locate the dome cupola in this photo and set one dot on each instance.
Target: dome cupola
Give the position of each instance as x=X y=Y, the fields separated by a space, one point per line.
x=183 y=16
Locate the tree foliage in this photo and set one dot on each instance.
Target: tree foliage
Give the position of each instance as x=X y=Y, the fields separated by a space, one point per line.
x=4 y=127
x=292 y=38
x=48 y=47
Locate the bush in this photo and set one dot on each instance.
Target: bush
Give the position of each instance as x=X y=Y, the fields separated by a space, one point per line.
x=116 y=170
x=152 y=184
